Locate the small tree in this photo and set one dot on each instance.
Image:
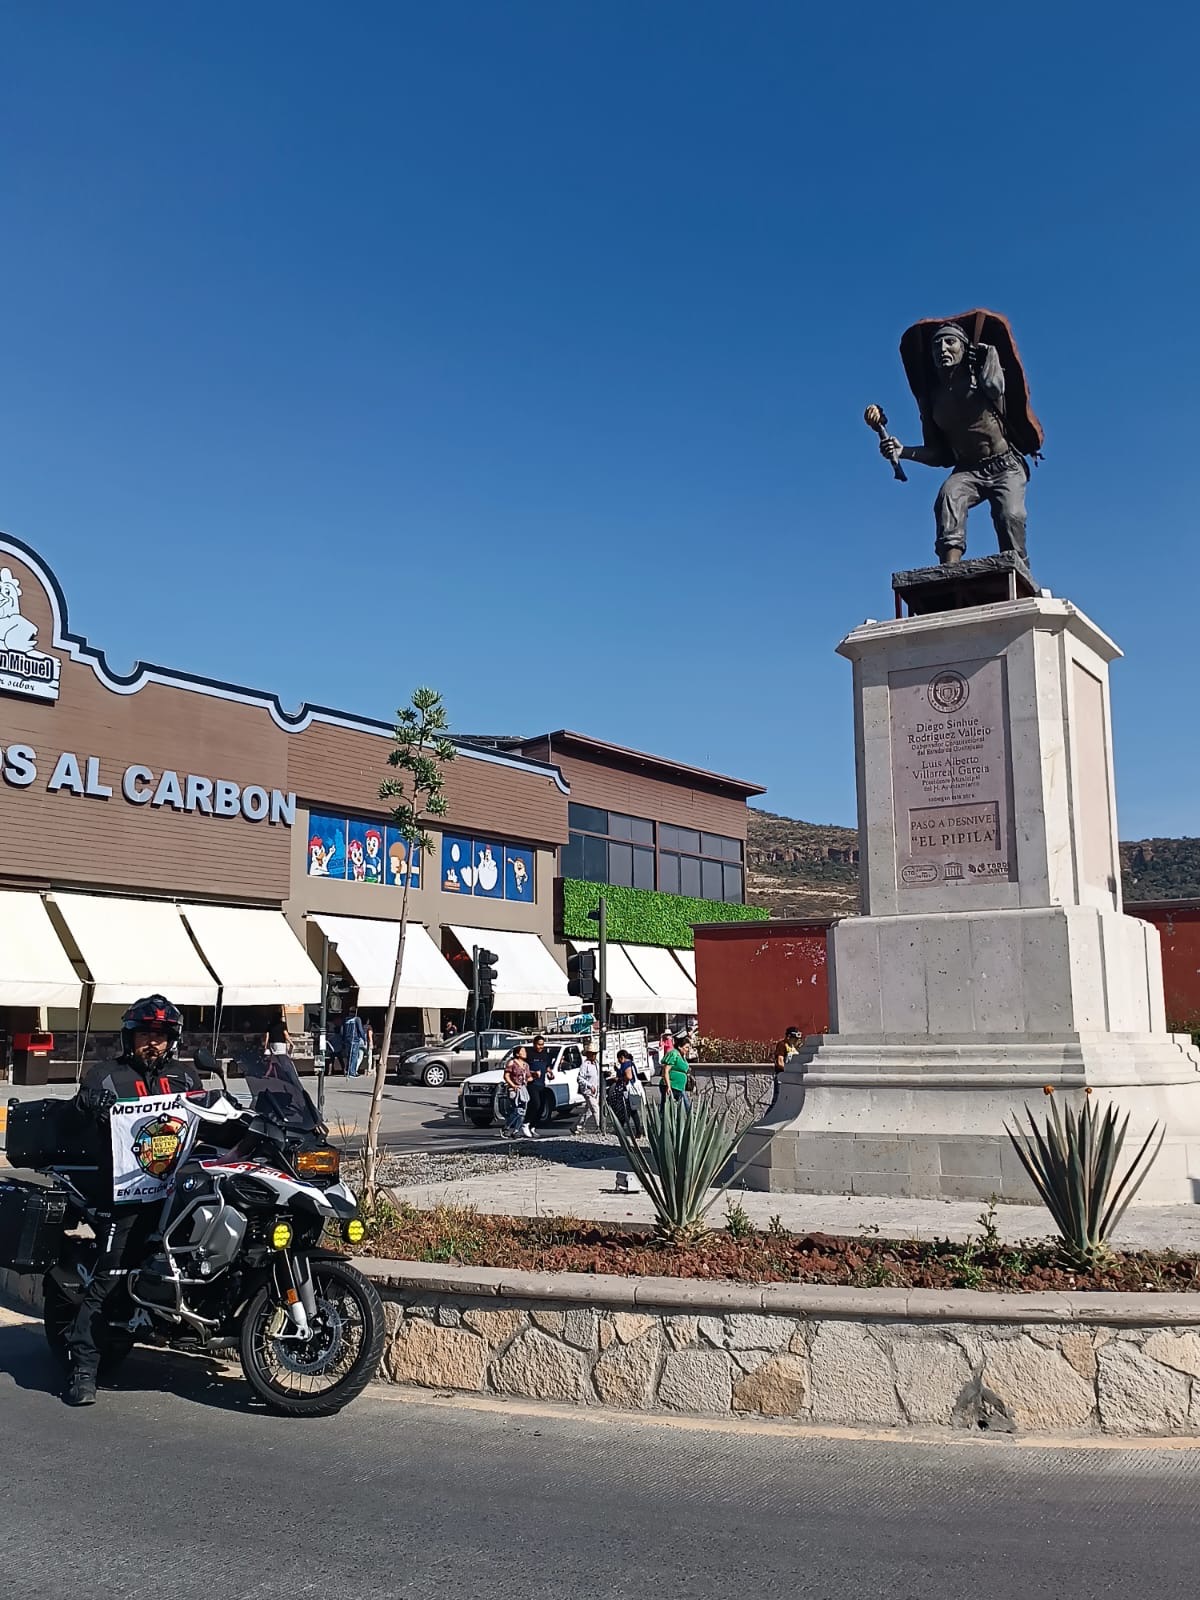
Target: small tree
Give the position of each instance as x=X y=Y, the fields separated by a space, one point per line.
x=420 y=751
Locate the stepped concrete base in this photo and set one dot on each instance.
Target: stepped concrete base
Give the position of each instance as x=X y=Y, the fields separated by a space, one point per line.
x=925 y=1119
x=993 y=957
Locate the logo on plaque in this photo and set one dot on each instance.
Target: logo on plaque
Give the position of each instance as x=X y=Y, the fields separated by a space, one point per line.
x=948 y=692
x=919 y=872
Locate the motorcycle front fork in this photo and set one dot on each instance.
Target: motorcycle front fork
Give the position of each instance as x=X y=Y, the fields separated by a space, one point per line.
x=293 y=1277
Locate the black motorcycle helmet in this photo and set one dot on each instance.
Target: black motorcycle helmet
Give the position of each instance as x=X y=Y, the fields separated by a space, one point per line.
x=155 y=1014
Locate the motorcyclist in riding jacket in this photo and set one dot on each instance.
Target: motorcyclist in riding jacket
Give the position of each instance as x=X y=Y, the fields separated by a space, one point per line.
x=147 y=1065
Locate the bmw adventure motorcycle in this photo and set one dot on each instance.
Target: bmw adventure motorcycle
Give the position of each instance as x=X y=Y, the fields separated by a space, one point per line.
x=234 y=1257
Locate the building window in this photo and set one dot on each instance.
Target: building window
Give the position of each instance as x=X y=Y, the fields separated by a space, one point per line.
x=630 y=852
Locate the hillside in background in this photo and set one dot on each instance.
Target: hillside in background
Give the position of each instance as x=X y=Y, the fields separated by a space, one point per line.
x=800 y=869
x=804 y=869
x=1161 y=869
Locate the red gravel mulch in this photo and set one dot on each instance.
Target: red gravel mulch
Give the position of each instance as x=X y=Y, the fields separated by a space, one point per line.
x=560 y=1244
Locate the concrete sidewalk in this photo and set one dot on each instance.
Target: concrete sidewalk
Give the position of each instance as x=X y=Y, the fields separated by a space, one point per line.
x=535 y=1185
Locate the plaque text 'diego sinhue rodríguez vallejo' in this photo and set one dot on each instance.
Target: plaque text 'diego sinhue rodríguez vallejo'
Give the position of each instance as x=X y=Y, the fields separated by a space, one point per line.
x=950 y=774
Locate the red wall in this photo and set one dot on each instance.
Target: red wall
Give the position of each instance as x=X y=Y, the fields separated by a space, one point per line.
x=1179 y=930
x=756 y=979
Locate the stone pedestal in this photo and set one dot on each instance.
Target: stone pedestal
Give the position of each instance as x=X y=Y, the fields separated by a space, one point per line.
x=992 y=958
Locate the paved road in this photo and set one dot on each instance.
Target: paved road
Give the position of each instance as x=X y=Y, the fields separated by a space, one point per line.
x=414 y=1118
x=190 y=1494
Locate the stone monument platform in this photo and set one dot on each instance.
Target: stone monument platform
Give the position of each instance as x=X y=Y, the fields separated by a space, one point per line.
x=992 y=959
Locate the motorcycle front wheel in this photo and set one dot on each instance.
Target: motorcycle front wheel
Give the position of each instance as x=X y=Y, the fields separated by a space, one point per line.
x=317 y=1376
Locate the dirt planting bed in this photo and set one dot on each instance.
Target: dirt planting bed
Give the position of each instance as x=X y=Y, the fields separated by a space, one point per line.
x=462 y=1237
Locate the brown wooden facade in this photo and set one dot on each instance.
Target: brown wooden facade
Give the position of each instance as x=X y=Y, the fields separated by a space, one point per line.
x=158 y=722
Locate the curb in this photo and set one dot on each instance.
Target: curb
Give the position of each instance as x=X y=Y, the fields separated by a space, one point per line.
x=806 y=1301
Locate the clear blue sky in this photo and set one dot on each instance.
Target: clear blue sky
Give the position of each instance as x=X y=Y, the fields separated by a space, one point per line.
x=521 y=349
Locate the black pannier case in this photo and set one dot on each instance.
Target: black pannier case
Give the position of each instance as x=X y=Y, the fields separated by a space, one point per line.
x=32 y=1218
x=43 y=1133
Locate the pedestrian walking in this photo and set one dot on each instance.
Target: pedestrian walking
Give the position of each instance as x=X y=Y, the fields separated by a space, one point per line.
x=632 y=1094
x=787 y=1047
x=589 y=1088
x=354 y=1042
x=516 y=1079
x=540 y=1061
x=676 y=1074
x=279 y=1040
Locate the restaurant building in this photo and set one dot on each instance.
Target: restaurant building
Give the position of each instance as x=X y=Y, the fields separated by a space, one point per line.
x=165 y=831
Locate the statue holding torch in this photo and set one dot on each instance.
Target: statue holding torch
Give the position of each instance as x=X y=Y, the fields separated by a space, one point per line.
x=973 y=397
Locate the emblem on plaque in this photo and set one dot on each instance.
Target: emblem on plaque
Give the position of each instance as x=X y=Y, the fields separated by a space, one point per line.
x=948 y=692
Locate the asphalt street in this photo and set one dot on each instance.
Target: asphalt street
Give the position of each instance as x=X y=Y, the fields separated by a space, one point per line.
x=173 y=1485
x=414 y=1117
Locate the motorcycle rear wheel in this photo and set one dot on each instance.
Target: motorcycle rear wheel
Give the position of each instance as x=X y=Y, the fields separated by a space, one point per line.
x=336 y=1363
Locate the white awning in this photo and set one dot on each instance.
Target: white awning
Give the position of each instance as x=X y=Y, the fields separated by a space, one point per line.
x=628 y=990
x=676 y=992
x=367 y=949
x=133 y=948
x=527 y=976
x=35 y=970
x=257 y=957
x=687 y=960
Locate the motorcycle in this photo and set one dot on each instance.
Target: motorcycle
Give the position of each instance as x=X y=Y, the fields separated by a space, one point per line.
x=234 y=1258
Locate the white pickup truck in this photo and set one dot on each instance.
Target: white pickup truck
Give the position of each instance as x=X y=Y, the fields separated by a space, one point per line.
x=482 y=1100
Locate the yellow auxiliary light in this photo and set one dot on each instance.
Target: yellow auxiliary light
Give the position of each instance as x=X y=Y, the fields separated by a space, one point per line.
x=354 y=1231
x=281 y=1236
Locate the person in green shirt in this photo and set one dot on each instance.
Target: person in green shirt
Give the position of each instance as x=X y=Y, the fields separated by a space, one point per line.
x=675 y=1073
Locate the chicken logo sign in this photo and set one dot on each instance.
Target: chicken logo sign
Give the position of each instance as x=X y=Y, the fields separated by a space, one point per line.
x=23 y=670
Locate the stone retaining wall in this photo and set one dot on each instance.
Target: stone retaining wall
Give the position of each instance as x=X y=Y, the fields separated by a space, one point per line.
x=1013 y=1363
x=1054 y=1363
x=743 y=1092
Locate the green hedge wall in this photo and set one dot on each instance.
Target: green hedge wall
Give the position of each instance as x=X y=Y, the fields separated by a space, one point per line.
x=643 y=916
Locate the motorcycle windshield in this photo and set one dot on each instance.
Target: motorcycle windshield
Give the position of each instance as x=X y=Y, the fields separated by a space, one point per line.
x=277 y=1092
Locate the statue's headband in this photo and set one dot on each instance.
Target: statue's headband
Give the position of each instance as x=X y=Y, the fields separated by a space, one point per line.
x=950 y=330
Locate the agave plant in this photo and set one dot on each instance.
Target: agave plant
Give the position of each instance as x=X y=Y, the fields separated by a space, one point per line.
x=1073 y=1163
x=679 y=1163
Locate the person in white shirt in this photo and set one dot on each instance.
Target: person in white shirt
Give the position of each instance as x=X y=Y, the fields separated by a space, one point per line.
x=589 y=1088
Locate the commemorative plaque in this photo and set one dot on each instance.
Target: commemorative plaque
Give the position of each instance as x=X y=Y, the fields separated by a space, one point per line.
x=951 y=775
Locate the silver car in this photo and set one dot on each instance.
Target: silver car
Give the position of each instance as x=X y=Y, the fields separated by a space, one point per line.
x=454 y=1059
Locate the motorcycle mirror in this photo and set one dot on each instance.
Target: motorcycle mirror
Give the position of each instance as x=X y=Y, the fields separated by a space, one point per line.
x=207 y=1063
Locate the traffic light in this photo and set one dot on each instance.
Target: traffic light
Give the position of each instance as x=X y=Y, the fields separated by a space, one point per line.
x=486 y=972
x=581 y=976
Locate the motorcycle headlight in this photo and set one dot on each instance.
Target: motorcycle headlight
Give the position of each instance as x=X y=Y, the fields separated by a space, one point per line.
x=325 y=1162
x=281 y=1235
x=354 y=1231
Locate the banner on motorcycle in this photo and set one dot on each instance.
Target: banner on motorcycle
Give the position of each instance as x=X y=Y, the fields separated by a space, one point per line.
x=150 y=1139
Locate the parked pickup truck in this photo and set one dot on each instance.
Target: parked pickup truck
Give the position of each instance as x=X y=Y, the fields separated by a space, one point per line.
x=483 y=1099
